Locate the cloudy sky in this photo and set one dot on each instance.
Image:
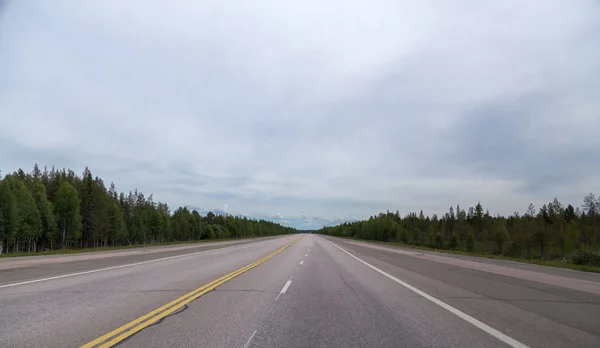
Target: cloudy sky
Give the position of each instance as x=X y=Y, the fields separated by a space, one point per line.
x=309 y=112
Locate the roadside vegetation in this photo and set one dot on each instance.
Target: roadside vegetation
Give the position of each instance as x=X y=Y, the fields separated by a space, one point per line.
x=54 y=211
x=553 y=235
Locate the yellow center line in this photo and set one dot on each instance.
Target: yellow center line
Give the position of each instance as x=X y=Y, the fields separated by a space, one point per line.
x=150 y=318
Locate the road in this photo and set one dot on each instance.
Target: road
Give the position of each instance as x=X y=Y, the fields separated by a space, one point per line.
x=293 y=291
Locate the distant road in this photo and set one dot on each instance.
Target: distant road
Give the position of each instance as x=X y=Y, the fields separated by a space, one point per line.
x=294 y=291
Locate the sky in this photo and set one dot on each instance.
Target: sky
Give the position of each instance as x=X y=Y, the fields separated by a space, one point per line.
x=309 y=113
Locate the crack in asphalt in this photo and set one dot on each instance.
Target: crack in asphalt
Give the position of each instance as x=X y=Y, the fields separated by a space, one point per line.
x=183 y=309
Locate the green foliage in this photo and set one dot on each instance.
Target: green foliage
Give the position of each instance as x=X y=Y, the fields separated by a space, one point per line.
x=403 y=236
x=439 y=241
x=470 y=242
x=553 y=231
x=51 y=209
x=500 y=237
x=431 y=235
x=66 y=208
x=586 y=257
x=46 y=210
x=211 y=233
x=29 y=224
x=569 y=238
x=8 y=214
x=590 y=236
x=454 y=242
x=116 y=229
x=510 y=248
x=417 y=236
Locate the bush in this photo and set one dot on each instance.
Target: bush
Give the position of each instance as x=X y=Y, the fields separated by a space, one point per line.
x=501 y=237
x=510 y=248
x=586 y=257
x=417 y=236
x=431 y=236
x=470 y=243
x=454 y=242
x=439 y=241
x=402 y=236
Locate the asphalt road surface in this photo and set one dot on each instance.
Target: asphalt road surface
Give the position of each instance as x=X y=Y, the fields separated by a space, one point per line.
x=293 y=291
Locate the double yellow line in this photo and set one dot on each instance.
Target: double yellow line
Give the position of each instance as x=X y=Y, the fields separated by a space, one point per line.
x=129 y=329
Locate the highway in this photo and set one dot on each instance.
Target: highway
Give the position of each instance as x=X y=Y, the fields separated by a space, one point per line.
x=292 y=291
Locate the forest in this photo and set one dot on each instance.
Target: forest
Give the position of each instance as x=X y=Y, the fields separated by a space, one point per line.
x=57 y=209
x=554 y=231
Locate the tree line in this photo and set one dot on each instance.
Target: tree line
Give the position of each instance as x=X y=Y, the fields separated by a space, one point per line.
x=553 y=231
x=57 y=209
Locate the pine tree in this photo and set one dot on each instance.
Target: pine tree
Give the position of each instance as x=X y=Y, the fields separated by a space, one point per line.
x=66 y=208
x=8 y=214
x=29 y=224
x=49 y=229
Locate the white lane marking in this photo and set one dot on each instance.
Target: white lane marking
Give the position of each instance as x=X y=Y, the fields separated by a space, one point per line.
x=107 y=269
x=301 y=262
x=250 y=339
x=285 y=287
x=464 y=316
x=305 y=255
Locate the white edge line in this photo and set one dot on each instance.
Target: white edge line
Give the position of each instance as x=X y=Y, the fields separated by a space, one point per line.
x=250 y=339
x=105 y=269
x=464 y=316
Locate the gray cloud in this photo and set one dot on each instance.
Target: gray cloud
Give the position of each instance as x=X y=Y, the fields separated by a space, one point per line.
x=525 y=140
x=334 y=111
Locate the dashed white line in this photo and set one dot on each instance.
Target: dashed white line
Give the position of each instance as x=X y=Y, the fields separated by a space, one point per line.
x=301 y=262
x=284 y=289
x=305 y=255
x=464 y=316
x=250 y=339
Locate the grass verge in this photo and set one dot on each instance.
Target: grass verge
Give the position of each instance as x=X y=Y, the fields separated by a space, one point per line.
x=535 y=261
x=122 y=247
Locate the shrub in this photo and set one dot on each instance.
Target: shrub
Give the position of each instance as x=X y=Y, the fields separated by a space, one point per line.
x=501 y=237
x=454 y=241
x=470 y=243
x=402 y=236
x=431 y=236
x=510 y=248
x=586 y=257
x=439 y=241
x=417 y=236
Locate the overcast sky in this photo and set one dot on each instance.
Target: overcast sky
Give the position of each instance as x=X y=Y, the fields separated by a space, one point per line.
x=309 y=112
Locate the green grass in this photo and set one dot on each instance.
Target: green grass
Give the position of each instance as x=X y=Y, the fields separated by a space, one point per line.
x=536 y=261
x=122 y=247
